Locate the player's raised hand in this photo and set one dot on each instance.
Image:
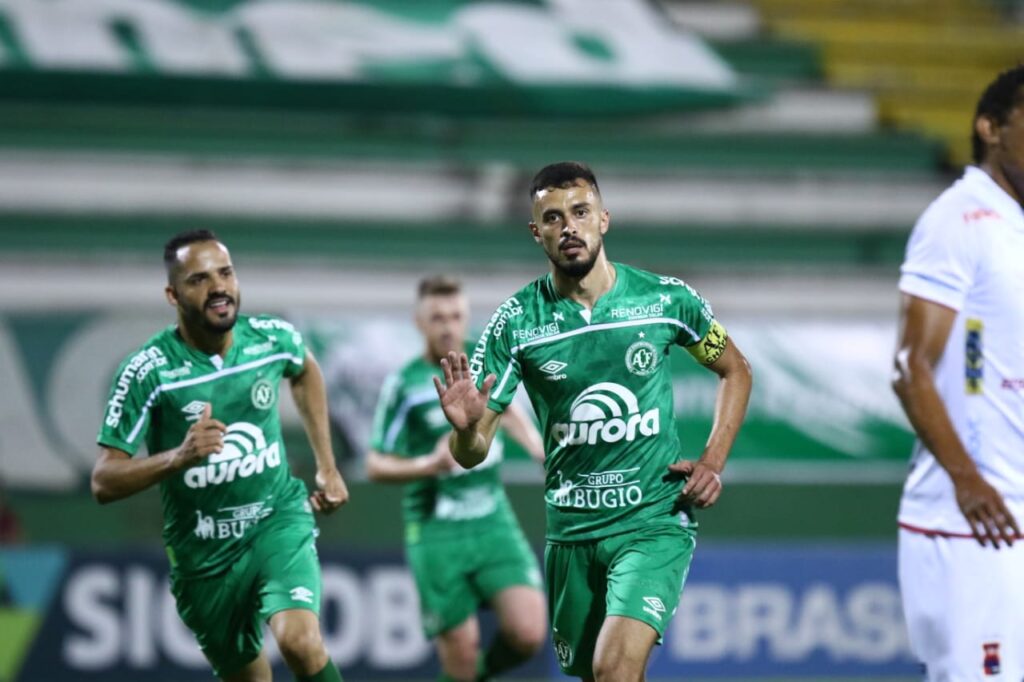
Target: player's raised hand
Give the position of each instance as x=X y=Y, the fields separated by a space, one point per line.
x=985 y=511
x=703 y=484
x=204 y=437
x=331 y=491
x=462 y=402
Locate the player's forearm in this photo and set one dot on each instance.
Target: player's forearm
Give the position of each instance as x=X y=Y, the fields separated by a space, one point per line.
x=730 y=409
x=310 y=394
x=915 y=386
x=469 y=447
x=116 y=479
x=388 y=468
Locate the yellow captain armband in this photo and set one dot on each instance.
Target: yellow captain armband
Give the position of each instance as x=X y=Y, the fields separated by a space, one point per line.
x=711 y=347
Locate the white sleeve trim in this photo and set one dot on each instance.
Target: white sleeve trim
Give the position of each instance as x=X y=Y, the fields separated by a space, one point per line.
x=932 y=289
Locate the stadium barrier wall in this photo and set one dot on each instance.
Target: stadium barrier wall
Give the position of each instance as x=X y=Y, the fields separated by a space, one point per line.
x=774 y=610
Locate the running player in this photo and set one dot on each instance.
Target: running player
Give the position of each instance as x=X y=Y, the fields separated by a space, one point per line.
x=959 y=372
x=202 y=394
x=463 y=543
x=589 y=341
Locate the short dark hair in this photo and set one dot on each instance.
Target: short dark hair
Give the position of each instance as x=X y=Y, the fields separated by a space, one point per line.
x=184 y=239
x=998 y=100
x=439 y=285
x=562 y=175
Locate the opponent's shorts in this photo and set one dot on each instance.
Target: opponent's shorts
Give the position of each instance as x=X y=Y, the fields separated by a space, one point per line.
x=638 y=575
x=964 y=607
x=279 y=571
x=454 y=577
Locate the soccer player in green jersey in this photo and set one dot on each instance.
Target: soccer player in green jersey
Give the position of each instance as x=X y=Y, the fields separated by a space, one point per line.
x=463 y=543
x=238 y=527
x=590 y=343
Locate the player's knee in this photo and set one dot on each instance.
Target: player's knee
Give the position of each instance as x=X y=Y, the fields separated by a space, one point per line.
x=461 y=664
x=527 y=638
x=302 y=648
x=616 y=669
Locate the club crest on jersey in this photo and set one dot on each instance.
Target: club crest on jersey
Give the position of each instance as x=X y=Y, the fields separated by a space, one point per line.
x=263 y=394
x=606 y=413
x=563 y=651
x=641 y=358
x=990 y=662
x=245 y=454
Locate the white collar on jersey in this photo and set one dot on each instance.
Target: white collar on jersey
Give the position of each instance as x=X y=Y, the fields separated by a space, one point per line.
x=982 y=183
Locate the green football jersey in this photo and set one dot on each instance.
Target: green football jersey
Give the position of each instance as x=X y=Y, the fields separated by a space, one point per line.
x=408 y=423
x=601 y=386
x=211 y=510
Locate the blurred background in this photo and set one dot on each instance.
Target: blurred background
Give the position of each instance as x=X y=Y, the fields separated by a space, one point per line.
x=773 y=153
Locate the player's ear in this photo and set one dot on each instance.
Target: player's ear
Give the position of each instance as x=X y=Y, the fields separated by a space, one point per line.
x=987 y=129
x=172 y=296
x=535 y=231
x=606 y=221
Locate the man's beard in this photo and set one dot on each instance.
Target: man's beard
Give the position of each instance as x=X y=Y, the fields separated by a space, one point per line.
x=579 y=268
x=197 y=317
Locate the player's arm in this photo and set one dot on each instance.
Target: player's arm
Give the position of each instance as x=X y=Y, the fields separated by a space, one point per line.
x=521 y=429
x=310 y=394
x=117 y=475
x=386 y=467
x=735 y=379
x=924 y=328
x=473 y=423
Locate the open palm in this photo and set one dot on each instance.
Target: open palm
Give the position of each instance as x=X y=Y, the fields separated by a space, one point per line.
x=463 y=403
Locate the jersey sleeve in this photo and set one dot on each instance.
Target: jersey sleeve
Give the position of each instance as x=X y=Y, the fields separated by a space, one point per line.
x=700 y=333
x=388 y=432
x=493 y=354
x=941 y=258
x=128 y=411
x=294 y=345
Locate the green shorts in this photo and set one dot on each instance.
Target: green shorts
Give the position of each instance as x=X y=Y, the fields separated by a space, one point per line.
x=454 y=577
x=279 y=571
x=638 y=574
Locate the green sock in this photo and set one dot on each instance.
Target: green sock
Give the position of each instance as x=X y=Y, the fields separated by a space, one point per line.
x=499 y=658
x=328 y=674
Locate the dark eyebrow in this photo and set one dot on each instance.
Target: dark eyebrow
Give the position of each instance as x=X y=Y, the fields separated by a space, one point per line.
x=551 y=211
x=582 y=204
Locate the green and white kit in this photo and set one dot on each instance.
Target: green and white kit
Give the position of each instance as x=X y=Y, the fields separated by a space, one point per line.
x=463 y=542
x=220 y=514
x=600 y=383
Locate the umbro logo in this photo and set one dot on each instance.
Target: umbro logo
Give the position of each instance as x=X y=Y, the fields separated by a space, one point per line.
x=553 y=369
x=655 y=607
x=194 y=410
x=303 y=594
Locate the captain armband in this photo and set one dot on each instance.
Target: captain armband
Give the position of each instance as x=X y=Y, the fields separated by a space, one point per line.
x=711 y=347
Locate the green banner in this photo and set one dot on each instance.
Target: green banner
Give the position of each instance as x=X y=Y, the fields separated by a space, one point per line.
x=821 y=406
x=510 y=57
